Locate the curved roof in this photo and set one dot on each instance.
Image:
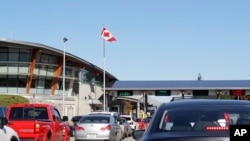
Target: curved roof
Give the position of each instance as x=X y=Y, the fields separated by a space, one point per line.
x=10 y=42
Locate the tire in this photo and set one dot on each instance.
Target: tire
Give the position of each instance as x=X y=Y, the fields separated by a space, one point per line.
x=13 y=138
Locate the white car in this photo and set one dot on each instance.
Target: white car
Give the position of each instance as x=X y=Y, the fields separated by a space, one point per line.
x=130 y=120
x=7 y=133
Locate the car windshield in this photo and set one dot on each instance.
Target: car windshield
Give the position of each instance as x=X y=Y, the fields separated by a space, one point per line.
x=203 y=118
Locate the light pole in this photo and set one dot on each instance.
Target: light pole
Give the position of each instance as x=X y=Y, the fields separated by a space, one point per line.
x=64 y=45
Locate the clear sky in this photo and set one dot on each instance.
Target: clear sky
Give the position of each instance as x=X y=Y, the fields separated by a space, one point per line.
x=156 y=39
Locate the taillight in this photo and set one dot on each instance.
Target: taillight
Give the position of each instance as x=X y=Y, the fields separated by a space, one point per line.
x=226 y=116
x=131 y=123
x=108 y=127
x=216 y=128
x=141 y=125
x=78 y=128
x=166 y=119
x=37 y=128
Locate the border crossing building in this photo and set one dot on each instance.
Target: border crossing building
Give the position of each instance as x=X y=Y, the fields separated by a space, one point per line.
x=35 y=71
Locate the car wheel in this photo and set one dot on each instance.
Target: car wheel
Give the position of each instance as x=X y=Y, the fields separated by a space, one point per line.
x=13 y=139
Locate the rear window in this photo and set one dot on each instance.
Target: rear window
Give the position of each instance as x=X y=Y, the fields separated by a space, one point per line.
x=127 y=118
x=95 y=119
x=26 y=113
x=76 y=118
x=203 y=118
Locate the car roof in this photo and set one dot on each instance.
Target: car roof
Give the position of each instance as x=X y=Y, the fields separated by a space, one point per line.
x=197 y=102
x=102 y=113
x=98 y=115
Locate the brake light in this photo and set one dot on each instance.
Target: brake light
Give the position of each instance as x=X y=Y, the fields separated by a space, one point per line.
x=166 y=119
x=141 y=125
x=226 y=116
x=216 y=128
x=78 y=127
x=131 y=123
x=37 y=128
x=108 y=127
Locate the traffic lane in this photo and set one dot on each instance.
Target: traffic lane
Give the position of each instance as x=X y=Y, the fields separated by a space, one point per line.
x=126 y=139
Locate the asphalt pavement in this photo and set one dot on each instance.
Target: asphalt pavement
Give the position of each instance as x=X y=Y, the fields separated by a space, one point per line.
x=126 y=139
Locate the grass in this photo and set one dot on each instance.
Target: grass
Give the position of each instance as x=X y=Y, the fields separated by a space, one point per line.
x=6 y=100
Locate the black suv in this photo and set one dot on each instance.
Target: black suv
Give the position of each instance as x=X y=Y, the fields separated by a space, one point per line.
x=195 y=120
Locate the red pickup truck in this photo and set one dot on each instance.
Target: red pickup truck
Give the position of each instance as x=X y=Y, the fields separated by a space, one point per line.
x=38 y=122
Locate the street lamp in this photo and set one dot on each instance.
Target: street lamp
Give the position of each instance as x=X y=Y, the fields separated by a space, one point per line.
x=64 y=45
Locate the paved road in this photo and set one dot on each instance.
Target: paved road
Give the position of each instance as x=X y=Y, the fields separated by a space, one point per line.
x=126 y=139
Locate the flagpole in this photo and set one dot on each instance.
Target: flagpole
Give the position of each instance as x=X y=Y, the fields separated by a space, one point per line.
x=104 y=82
x=64 y=45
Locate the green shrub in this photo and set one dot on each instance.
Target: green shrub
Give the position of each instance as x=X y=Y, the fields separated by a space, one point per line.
x=6 y=100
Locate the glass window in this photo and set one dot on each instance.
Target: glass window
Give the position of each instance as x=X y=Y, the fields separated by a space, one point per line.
x=44 y=58
x=43 y=70
x=95 y=119
x=3 y=54
x=13 y=54
x=52 y=59
x=203 y=118
x=38 y=59
x=25 y=55
x=48 y=82
x=69 y=63
x=68 y=72
x=34 y=82
x=50 y=71
x=24 y=113
x=22 y=79
x=41 y=83
x=12 y=81
x=57 y=114
x=3 y=81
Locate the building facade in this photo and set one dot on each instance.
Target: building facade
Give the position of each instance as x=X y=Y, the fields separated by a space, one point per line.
x=35 y=71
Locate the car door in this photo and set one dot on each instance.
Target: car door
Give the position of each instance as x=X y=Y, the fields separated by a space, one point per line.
x=58 y=125
x=118 y=131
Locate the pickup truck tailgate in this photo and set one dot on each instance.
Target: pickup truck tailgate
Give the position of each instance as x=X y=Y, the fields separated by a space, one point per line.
x=25 y=128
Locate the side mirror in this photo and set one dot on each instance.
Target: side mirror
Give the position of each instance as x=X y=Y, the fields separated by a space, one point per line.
x=65 y=118
x=3 y=121
x=137 y=135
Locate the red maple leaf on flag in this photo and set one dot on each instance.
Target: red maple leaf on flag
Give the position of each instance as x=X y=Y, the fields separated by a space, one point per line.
x=107 y=35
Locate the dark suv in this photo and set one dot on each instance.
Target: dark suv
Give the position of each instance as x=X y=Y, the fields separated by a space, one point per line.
x=3 y=111
x=195 y=120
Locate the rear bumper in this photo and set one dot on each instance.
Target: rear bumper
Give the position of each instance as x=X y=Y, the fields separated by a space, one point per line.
x=29 y=140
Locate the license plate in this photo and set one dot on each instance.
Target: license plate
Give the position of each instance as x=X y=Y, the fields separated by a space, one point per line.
x=91 y=136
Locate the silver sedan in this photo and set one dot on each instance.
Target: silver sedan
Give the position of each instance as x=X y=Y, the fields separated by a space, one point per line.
x=98 y=127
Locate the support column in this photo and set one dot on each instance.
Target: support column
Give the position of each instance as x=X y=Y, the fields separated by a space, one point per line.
x=31 y=69
x=138 y=108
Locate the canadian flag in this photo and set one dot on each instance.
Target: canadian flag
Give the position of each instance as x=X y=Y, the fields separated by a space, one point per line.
x=107 y=35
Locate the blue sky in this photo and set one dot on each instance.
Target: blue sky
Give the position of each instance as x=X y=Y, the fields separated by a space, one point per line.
x=156 y=40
